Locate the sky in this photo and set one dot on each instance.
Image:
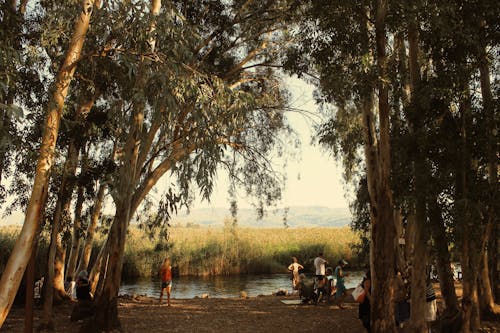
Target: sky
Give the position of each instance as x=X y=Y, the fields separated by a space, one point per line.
x=315 y=179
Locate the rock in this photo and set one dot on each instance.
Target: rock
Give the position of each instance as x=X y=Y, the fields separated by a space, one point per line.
x=243 y=294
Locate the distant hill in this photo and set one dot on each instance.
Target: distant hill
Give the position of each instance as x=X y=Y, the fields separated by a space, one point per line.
x=307 y=216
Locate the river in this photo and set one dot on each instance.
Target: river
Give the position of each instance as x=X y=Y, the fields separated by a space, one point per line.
x=221 y=286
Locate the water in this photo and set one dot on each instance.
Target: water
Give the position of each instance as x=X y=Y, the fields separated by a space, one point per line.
x=222 y=286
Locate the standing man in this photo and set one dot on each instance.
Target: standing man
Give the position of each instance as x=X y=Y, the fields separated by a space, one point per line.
x=320 y=266
x=166 y=279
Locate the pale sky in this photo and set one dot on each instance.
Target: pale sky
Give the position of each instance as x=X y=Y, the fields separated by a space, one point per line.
x=314 y=180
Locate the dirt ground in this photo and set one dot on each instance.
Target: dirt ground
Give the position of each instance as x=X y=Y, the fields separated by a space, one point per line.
x=254 y=314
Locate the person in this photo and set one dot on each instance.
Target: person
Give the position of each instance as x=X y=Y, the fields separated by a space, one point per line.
x=331 y=281
x=364 y=307
x=166 y=279
x=70 y=287
x=83 y=286
x=295 y=267
x=84 y=307
x=329 y=288
x=320 y=270
x=319 y=265
x=38 y=290
x=401 y=305
x=340 y=286
x=430 y=301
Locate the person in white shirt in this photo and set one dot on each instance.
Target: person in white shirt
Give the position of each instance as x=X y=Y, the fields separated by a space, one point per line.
x=320 y=265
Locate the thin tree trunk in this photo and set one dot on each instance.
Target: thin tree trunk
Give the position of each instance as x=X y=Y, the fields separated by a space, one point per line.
x=94 y=219
x=98 y=271
x=383 y=229
x=489 y=110
x=59 y=263
x=446 y=281
x=419 y=262
x=75 y=240
x=486 y=301
x=30 y=282
x=470 y=245
x=13 y=273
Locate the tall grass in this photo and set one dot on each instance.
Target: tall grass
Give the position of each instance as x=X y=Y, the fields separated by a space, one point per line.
x=225 y=251
x=202 y=251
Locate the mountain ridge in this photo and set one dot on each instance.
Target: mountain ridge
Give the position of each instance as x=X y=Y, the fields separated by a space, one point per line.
x=296 y=216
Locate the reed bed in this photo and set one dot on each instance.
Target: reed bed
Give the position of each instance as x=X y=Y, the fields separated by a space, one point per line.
x=205 y=251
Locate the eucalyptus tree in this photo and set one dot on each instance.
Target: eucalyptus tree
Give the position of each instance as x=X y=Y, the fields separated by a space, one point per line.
x=11 y=77
x=21 y=253
x=190 y=88
x=456 y=39
x=346 y=44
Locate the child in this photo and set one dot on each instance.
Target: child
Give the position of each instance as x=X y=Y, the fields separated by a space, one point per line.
x=166 y=279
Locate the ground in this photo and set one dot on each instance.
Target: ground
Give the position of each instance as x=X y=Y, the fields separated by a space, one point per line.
x=254 y=314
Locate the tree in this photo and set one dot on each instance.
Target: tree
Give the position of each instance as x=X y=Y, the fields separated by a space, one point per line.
x=21 y=253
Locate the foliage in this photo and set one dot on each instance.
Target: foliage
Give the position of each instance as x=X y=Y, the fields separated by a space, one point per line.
x=236 y=250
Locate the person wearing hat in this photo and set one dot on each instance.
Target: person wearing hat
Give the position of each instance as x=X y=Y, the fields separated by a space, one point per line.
x=340 y=286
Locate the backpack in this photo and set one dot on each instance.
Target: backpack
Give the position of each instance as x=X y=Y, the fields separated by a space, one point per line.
x=359 y=294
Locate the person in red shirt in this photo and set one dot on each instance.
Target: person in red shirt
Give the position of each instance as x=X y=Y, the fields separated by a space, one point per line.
x=166 y=279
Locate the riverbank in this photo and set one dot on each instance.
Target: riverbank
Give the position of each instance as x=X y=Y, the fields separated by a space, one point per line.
x=254 y=314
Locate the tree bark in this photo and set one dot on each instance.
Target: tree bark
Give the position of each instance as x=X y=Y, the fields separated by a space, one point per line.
x=383 y=229
x=75 y=239
x=89 y=237
x=470 y=245
x=486 y=301
x=446 y=281
x=489 y=110
x=98 y=271
x=12 y=275
x=419 y=262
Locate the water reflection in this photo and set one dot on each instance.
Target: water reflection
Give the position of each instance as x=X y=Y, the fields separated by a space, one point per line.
x=221 y=286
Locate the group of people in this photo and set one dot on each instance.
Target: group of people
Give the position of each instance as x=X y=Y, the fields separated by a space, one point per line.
x=327 y=282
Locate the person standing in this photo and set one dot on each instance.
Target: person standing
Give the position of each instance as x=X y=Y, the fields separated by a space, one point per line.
x=294 y=268
x=320 y=265
x=166 y=279
x=340 y=286
x=430 y=302
x=364 y=307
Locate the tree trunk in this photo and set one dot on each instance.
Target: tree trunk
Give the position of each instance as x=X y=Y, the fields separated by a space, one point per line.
x=383 y=229
x=107 y=304
x=55 y=269
x=107 y=314
x=21 y=253
x=98 y=271
x=489 y=110
x=471 y=248
x=487 y=304
x=420 y=176
x=446 y=281
x=75 y=239
x=59 y=262
x=94 y=219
